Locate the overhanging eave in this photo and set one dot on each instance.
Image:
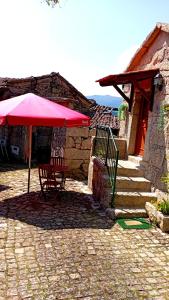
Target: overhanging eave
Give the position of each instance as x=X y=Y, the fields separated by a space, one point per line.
x=134 y=78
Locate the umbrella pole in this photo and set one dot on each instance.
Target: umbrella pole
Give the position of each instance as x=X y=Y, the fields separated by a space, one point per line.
x=30 y=154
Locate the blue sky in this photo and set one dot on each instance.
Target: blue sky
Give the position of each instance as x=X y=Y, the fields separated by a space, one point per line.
x=83 y=40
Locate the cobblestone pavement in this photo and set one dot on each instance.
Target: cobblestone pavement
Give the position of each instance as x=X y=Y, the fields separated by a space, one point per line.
x=66 y=248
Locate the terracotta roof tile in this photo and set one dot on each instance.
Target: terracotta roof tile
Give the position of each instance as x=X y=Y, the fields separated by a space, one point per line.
x=102 y=115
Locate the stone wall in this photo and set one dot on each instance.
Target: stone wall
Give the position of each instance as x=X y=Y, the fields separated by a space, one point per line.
x=98 y=178
x=52 y=86
x=156 y=155
x=121 y=145
x=77 y=150
x=98 y=182
x=156 y=152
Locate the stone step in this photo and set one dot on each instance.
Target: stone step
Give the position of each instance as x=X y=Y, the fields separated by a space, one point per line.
x=128 y=168
x=124 y=183
x=126 y=213
x=133 y=199
x=135 y=159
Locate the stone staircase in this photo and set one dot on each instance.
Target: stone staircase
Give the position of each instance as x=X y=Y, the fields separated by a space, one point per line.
x=132 y=189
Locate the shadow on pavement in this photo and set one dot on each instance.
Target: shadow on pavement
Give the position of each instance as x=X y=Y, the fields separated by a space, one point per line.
x=4 y=187
x=66 y=209
x=6 y=167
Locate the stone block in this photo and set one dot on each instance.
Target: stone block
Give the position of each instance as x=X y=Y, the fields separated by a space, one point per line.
x=73 y=153
x=110 y=212
x=90 y=174
x=106 y=181
x=92 y=132
x=92 y=145
x=156 y=155
x=78 y=131
x=122 y=147
x=86 y=144
x=157 y=217
x=106 y=198
x=74 y=164
x=85 y=167
x=166 y=101
x=96 y=182
x=122 y=128
x=55 y=91
x=77 y=139
x=70 y=143
x=99 y=164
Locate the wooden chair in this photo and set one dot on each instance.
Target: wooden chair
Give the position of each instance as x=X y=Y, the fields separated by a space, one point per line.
x=48 y=178
x=59 y=163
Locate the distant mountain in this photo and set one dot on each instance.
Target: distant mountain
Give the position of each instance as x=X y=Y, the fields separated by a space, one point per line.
x=106 y=100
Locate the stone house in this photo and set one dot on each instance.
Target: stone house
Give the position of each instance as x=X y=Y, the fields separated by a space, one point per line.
x=146 y=89
x=56 y=88
x=143 y=142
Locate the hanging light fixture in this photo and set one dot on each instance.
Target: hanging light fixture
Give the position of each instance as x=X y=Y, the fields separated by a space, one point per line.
x=158 y=81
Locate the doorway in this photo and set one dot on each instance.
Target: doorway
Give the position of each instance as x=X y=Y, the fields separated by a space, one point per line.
x=142 y=126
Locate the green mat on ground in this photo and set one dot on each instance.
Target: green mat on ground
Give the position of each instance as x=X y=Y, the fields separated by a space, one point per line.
x=135 y=223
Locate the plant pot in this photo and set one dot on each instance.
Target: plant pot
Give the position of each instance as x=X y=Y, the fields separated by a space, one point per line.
x=157 y=217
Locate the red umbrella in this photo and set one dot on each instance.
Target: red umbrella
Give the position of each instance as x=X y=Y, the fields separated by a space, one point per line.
x=32 y=110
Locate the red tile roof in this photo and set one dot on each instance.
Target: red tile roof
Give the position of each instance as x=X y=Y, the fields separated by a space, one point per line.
x=102 y=115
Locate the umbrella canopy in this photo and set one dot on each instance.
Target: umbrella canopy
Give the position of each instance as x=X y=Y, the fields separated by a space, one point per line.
x=32 y=110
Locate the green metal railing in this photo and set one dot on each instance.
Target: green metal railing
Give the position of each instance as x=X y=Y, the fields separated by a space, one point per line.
x=106 y=150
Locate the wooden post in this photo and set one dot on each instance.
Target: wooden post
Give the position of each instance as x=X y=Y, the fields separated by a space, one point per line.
x=30 y=154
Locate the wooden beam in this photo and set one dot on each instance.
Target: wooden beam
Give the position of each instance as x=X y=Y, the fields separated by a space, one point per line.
x=129 y=100
x=131 y=96
x=127 y=77
x=121 y=92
